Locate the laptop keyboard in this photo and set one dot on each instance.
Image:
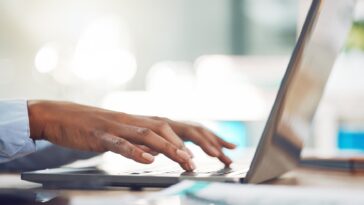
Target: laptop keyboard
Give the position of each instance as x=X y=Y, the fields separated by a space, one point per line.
x=198 y=172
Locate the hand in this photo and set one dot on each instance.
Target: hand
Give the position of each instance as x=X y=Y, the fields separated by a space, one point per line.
x=135 y=137
x=201 y=136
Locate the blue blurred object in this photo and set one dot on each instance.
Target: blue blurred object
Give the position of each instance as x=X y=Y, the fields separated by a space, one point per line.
x=351 y=139
x=231 y=131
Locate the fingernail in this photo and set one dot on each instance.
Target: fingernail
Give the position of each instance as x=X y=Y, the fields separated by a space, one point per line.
x=192 y=164
x=184 y=155
x=214 y=151
x=148 y=156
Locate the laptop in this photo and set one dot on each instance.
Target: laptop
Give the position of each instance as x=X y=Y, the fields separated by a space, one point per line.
x=321 y=39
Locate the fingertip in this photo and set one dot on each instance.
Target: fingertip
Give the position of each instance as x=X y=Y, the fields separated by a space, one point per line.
x=154 y=153
x=148 y=157
x=226 y=160
x=229 y=145
x=228 y=163
x=192 y=165
x=232 y=147
x=186 y=167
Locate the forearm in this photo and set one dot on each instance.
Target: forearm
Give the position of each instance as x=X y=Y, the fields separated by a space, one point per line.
x=15 y=138
x=47 y=156
x=19 y=150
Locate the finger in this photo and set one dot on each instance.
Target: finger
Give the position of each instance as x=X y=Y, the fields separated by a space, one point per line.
x=147 y=149
x=226 y=144
x=217 y=141
x=188 y=151
x=208 y=146
x=159 y=144
x=190 y=165
x=201 y=141
x=211 y=138
x=121 y=146
x=162 y=128
x=145 y=136
x=225 y=159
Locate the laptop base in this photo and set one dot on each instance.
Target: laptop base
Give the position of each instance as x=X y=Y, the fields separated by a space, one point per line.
x=94 y=178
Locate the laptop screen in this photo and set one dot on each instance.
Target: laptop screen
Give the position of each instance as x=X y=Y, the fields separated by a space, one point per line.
x=321 y=40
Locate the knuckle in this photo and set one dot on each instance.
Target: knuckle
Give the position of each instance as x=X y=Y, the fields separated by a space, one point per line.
x=180 y=144
x=193 y=134
x=120 y=142
x=144 y=132
x=155 y=118
x=199 y=129
x=159 y=118
x=95 y=133
x=97 y=146
x=168 y=147
x=206 y=145
x=190 y=131
x=162 y=126
x=130 y=151
x=119 y=116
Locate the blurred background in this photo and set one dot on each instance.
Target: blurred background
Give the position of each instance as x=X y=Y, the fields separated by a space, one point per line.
x=215 y=62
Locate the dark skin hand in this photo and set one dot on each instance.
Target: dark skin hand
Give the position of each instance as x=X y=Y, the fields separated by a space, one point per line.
x=135 y=137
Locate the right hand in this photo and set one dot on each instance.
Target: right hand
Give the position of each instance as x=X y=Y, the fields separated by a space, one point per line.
x=135 y=137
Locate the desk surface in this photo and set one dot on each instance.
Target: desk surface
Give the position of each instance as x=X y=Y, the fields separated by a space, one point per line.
x=299 y=177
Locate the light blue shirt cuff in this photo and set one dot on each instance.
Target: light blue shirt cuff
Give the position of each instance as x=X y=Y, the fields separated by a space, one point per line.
x=15 y=138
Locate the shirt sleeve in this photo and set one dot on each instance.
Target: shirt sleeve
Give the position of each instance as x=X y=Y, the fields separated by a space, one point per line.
x=15 y=138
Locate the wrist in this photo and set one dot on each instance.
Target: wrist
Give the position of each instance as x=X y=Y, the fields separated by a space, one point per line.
x=36 y=122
